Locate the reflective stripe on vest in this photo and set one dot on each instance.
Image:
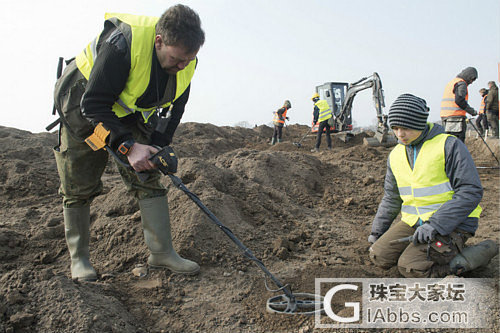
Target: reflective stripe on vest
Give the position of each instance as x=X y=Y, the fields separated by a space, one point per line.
x=448 y=106
x=483 y=105
x=324 y=110
x=140 y=33
x=277 y=120
x=425 y=188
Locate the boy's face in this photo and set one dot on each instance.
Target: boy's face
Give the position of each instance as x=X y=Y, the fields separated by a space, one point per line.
x=406 y=135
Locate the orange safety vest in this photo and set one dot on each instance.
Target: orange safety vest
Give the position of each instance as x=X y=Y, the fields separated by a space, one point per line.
x=483 y=105
x=276 y=120
x=448 y=106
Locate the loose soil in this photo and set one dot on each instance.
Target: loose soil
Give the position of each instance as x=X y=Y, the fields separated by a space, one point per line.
x=304 y=214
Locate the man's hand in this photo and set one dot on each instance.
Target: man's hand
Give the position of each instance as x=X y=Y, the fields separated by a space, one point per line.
x=424 y=234
x=138 y=157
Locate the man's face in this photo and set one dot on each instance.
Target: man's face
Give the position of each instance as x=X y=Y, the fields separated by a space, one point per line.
x=172 y=58
x=406 y=135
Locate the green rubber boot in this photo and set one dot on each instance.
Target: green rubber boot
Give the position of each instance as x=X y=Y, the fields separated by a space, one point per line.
x=273 y=141
x=474 y=256
x=77 y=232
x=156 y=226
x=279 y=140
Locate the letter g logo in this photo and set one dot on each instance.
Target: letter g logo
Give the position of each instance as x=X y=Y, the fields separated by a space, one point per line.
x=328 y=304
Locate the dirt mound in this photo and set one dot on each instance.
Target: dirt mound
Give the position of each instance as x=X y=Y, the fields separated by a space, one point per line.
x=304 y=214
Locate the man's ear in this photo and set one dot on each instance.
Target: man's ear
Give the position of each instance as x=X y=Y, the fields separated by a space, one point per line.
x=158 y=41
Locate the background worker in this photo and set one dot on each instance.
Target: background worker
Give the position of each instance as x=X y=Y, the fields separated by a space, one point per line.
x=322 y=112
x=492 y=108
x=124 y=78
x=454 y=104
x=432 y=180
x=481 y=120
x=279 y=121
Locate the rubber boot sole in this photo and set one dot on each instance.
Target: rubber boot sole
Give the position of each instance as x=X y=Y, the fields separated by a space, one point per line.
x=155 y=267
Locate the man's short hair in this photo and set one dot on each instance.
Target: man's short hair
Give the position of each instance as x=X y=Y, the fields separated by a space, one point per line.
x=181 y=26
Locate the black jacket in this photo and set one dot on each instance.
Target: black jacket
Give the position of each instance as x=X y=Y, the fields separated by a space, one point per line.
x=469 y=75
x=108 y=79
x=492 y=99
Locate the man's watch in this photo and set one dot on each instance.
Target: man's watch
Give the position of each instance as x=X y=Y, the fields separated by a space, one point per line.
x=125 y=146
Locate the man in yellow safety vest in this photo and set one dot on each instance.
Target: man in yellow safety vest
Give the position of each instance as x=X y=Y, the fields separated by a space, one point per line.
x=322 y=114
x=132 y=83
x=432 y=181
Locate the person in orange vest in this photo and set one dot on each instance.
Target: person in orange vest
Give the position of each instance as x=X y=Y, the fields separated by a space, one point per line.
x=492 y=108
x=279 y=121
x=481 y=120
x=455 y=106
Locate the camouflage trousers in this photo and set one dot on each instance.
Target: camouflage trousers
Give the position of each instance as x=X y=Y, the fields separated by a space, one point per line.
x=417 y=261
x=80 y=168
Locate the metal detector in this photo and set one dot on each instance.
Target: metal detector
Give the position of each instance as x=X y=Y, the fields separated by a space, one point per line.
x=286 y=303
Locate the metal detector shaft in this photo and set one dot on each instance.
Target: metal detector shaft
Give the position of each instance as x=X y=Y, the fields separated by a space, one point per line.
x=298 y=144
x=474 y=126
x=246 y=251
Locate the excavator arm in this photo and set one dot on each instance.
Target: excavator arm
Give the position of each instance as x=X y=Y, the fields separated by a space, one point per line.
x=382 y=135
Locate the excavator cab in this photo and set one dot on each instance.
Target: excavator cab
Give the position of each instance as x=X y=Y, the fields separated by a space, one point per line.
x=340 y=97
x=334 y=93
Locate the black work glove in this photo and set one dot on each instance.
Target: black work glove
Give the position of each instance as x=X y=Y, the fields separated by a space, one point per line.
x=287 y=118
x=424 y=234
x=165 y=160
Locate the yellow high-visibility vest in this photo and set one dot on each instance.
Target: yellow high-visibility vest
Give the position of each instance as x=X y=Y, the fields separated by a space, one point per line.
x=425 y=188
x=140 y=34
x=324 y=110
x=448 y=106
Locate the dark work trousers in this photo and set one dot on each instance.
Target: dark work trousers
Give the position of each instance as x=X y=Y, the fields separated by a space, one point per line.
x=324 y=125
x=278 y=130
x=493 y=121
x=482 y=123
x=456 y=126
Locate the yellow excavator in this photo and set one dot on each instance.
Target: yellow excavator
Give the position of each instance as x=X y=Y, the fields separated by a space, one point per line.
x=340 y=96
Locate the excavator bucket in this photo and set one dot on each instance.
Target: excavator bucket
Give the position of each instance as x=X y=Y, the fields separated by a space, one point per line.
x=380 y=140
x=345 y=136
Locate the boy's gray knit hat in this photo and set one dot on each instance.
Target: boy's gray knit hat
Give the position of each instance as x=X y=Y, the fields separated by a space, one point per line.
x=409 y=111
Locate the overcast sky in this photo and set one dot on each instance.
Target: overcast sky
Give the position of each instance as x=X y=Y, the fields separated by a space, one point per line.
x=260 y=52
